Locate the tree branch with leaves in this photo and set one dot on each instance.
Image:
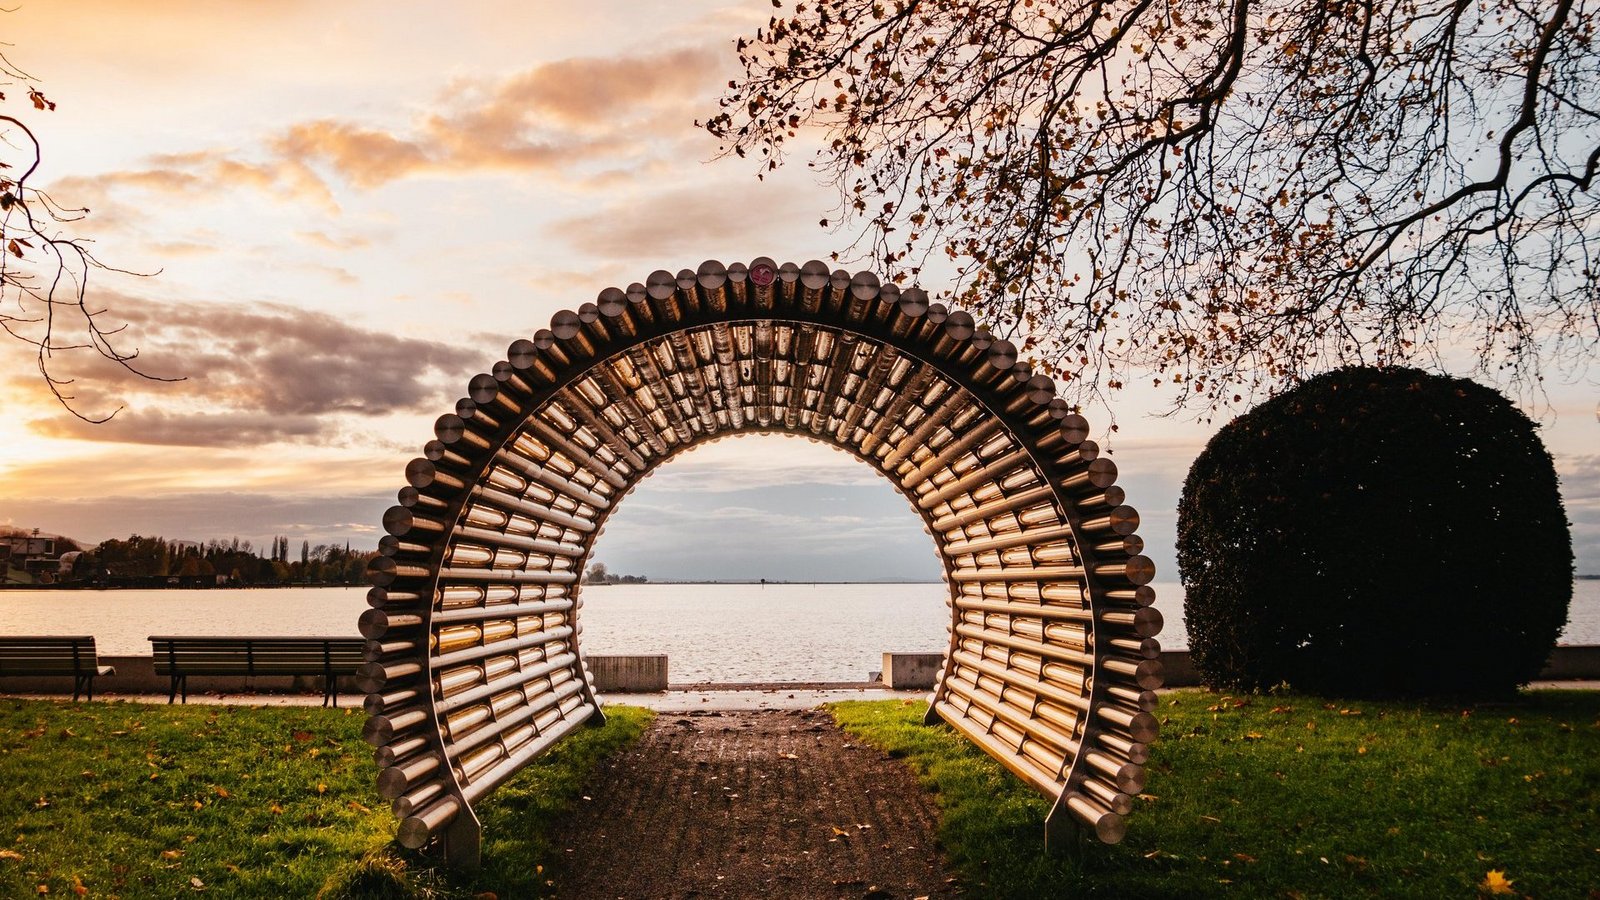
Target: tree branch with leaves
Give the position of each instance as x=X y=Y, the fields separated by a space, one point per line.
x=44 y=272
x=1221 y=198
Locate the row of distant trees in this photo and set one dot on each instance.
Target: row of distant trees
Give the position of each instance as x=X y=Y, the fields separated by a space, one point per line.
x=599 y=574
x=140 y=558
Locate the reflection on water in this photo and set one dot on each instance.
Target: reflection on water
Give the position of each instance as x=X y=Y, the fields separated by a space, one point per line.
x=711 y=632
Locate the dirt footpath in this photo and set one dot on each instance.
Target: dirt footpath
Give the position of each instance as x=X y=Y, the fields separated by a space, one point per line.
x=753 y=804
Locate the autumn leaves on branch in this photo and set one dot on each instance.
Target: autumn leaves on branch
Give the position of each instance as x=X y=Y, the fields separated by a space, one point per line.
x=1220 y=199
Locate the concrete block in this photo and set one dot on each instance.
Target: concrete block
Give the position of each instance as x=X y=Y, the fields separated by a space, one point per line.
x=629 y=674
x=911 y=671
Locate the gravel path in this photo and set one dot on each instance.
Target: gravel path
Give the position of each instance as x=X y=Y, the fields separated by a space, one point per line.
x=766 y=803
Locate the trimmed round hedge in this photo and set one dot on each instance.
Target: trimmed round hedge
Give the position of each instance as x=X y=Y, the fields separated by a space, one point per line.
x=1372 y=532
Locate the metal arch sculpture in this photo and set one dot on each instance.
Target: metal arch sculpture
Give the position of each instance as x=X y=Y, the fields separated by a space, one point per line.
x=474 y=665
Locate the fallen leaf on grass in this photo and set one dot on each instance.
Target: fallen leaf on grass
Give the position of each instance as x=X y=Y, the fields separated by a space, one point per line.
x=77 y=886
x=275 y=809
x=1212 y=819
x=358 y=807
x=302 y=736
x=322 y=788
x=1282 y=709
x=1244 y=857
x=1254 y=736
x=1496 y=882
x=171 y=854
x=223 y=793
x=196 y=883
x=10 y=854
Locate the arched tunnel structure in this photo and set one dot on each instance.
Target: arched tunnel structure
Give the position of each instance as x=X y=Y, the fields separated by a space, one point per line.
x=474 y=666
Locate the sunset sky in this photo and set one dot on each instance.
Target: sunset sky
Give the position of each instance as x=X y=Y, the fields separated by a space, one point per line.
x=354 y=208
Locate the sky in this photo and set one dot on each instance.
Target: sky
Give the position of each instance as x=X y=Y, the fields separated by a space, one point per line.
x=346 y=211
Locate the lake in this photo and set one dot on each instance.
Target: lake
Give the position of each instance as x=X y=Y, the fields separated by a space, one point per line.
x=711 y=632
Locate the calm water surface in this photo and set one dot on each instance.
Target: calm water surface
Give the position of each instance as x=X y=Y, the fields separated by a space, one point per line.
x=712 y=632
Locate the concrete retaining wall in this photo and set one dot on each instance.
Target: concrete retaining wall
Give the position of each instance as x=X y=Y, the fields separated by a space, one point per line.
x=640 y=674
x=911 y=671
x=629 y=674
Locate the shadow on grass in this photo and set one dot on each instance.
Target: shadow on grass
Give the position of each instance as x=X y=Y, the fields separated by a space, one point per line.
x=520 y=853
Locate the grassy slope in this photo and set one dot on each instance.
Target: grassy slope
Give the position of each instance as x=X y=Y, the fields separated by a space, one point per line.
x=135 y=801
x=1287 y=797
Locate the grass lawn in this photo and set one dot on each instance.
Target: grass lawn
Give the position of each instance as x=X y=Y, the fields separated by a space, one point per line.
x=1268 y=796
x=131 y=800
x=1290 y=796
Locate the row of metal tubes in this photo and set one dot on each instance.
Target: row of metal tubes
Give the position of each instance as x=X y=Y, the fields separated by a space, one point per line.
x=446 y=660
x=555 y=440
x=916 y=386
x=533 y=470
x=499 y=723
x=1091 y=475
x=500 y=539
x=1001 y=472
x=429 y=809
x=1023 y=767
x=1044 y=493
x=1144 y=622
x=1059 y=634
x=1050 y=553
x=1143 y=672
x=1059 y=749
x=1015 y=642
x=1039 y=686
x=480 y=613
x=1056 y=725
x=1006 y=541
x=947 y=406
x=571 y=717
x=464 y=719
x=448 y=638
x=497 y=576
x=986 y=472
x=1138 y=670
x=620 y=397
x=476 y=763
x=447 y=682
x=510 y=503
x=863 y=399
x=1132 y=569
x=855 y=405
x=1058 y=591
x=602 y=429
x=1071 y=677
x=1051 y=749
x=446 y=704
x=957 y=446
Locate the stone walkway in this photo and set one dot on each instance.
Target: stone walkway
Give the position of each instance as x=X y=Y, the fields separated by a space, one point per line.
x=767 y=803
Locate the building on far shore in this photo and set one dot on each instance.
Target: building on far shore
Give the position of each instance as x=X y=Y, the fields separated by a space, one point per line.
x=36 y=558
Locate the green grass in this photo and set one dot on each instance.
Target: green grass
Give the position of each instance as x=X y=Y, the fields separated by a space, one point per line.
x=1288 y=796
x=133 y=800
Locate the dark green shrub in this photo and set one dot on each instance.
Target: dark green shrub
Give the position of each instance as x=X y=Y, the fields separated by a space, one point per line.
x=1371 y=532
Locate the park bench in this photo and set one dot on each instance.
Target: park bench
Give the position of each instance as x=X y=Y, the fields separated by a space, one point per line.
x=178 y=657
x=70 y=655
